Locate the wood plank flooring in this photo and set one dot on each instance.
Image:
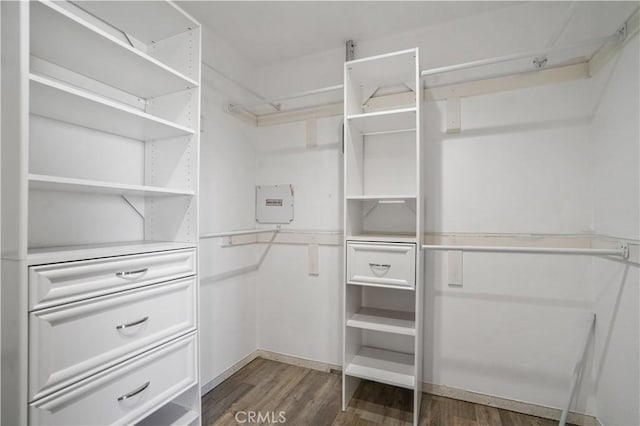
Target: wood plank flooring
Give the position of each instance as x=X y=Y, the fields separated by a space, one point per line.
x=310 y=397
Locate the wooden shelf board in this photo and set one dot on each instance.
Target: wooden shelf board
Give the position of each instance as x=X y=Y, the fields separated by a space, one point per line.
x=383 y=121
x=65 y=39
x=45 y=255
x=64 y=184
x=58 y=101
x=380 y=365
x=397 y=322
x=170 y=414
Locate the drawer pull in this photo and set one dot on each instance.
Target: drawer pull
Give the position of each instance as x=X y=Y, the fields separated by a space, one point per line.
x=379 y=268
x=131 y=324
x=134 y=392
x=124 y=274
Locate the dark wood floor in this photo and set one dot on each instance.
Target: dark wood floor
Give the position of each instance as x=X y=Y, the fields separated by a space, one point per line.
x=310 y=397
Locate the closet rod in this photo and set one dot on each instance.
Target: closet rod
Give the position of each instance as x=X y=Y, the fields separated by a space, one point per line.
x=622 y=251
x=289 y=97
x=531 y=54
x=239 y=232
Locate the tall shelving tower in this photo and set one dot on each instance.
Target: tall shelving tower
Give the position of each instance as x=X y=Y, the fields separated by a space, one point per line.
x=100 y=154
x=383 y=222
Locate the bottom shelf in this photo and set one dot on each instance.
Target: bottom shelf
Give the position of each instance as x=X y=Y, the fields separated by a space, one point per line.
x=171 y=414
x=380 y=365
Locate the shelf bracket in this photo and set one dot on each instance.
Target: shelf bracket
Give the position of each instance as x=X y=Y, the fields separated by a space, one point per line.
x=368 y=94
x=411 y=86
x=136 y=203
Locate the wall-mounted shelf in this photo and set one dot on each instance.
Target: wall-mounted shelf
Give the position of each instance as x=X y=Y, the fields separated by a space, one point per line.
x=384 y=121
x=64 y=184
x=388 y=321
x=392 y=368
x=61 y=102
x=383 y=197
x=65 y=39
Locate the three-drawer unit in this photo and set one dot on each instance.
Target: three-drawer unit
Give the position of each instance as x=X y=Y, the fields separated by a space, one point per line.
x=111 y=339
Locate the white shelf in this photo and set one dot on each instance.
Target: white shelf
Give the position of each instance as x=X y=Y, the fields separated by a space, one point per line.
x=59 y=101
x=44 y=255
x=397 y=322
x=384 y=121
x=383 y=197
x=132 y=18
x=392 y=69
x=64 y=39
x=385 y=238
x=393 y=368
x=64 y=184
x=171 y=415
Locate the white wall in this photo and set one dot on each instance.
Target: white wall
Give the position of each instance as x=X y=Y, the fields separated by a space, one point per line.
x=227 y=178
x=616 y=182
x=524 y=163
x=299 y=314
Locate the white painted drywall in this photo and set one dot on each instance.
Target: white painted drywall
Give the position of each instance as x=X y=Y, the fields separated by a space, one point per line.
x=227 y=294
x=616 y=182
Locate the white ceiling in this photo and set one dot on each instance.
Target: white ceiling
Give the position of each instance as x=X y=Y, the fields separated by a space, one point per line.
x=273 y=31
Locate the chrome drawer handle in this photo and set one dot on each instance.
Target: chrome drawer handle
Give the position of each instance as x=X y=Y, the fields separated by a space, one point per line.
x=379 y=269
x=131 y=324
x=134 y=392
x=124 y=274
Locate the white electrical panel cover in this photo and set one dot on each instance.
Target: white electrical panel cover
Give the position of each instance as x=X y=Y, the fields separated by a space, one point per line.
x=274 y=203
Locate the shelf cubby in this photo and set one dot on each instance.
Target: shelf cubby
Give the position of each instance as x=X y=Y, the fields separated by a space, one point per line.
x=59 y=101
x=384 y=366
x=384 y=320
x=65 y=39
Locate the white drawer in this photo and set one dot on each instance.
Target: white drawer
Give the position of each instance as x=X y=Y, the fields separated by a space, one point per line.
x=381 y=264
x=148 y=380
x=59 y=283
x=70 y=342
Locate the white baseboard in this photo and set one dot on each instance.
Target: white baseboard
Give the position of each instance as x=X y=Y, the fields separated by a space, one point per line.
x=508 y=404
x=439 y=390
x=207 y=387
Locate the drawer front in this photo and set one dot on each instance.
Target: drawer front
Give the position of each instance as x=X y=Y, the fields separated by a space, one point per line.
x=59 y=283
x=70 y=342
x=123 y=394
x=380 y=264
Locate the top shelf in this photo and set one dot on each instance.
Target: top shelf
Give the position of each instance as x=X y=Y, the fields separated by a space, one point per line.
x=393 y=69
x=64 y=39
x=130 y=17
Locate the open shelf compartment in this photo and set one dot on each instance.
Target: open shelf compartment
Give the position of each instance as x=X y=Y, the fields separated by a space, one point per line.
x=385 y=320
x=63 y=38
x=58 y=101
x=384 y=366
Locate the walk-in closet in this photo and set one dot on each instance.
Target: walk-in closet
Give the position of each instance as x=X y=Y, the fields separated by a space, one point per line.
x=420 y=213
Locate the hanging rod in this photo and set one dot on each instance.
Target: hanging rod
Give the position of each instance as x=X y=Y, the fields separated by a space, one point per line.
x=622 y=250
x=289 y=97
x=239 y=232
x=523 y=55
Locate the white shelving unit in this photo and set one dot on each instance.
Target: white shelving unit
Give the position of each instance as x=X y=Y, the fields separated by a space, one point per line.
x=383 y=227
x=100 y=144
